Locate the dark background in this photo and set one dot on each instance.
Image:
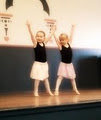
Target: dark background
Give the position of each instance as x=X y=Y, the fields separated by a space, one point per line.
x=16 y=62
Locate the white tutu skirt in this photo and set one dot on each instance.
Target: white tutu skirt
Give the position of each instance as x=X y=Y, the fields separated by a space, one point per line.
x=66 y=70
x=39 y=71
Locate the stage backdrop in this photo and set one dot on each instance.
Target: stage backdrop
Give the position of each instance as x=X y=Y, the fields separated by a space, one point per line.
x=85 y=14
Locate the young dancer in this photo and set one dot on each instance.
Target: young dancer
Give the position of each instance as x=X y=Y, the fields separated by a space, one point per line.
x=39 y=70
x=66 y=68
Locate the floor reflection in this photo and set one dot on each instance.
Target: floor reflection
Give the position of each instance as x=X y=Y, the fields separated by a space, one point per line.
x=26 y=99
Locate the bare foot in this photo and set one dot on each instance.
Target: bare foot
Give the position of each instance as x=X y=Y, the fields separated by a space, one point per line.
x=56 y=93
x=36 y=94
x=76 y=91
x=50 y=93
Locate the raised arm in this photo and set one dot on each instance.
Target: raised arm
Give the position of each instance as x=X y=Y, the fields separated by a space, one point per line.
x=71 y=33
x=56 y=39
x=31 y=35
x=57 y=42
x=50 y=35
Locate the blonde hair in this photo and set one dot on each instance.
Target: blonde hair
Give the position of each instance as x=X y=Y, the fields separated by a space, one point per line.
x=41 y=32
x=63 y=34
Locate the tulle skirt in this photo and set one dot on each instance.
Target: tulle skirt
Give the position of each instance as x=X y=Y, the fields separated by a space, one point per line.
x=39 y=71
x=66 y=70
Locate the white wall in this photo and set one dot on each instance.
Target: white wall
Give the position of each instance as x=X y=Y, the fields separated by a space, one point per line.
x=86 y=14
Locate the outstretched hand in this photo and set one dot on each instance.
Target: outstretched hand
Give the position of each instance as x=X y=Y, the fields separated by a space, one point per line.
x=53 y=28
x=73 y=25
x=28 y=24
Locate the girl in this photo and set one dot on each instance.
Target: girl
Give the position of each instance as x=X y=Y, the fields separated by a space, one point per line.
x=39 y=70
x=66 y=68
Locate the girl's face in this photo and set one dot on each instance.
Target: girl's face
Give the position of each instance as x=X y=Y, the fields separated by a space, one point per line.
x=63 y=39
x=40 y=37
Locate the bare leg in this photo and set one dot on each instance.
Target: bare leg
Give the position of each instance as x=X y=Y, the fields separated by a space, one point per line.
x=74 y=87
x=36 y=85
x=46 y=82
x=58 y=82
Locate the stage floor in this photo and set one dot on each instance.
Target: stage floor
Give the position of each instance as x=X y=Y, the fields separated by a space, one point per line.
x=21 y=100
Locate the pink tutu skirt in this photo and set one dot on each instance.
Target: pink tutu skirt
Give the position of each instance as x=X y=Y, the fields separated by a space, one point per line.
x=66 y=70
x=39 y=71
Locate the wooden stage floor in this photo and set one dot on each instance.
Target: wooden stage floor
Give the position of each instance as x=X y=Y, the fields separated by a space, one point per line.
x=21 y=100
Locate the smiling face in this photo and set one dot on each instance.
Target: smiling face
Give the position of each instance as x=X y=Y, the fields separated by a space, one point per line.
x=63 y=39
x=40 y=36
